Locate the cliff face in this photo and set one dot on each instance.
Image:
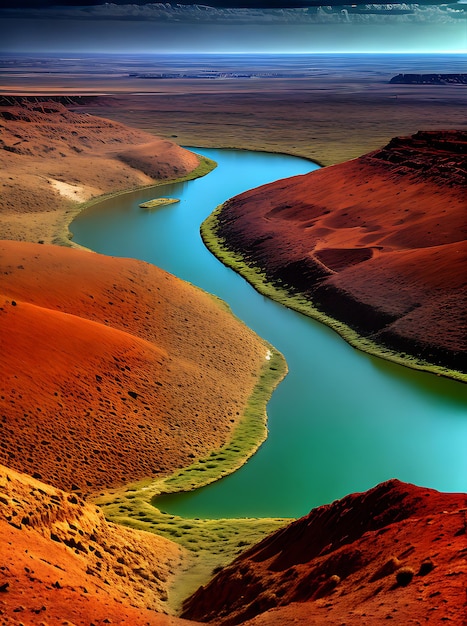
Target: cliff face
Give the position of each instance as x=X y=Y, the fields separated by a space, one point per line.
x=395 y=552
x=377 y=242
x=429 y=79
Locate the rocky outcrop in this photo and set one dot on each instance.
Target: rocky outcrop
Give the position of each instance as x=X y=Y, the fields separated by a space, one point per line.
x=376 y=243
x=61 y=561
x=439 y=157
x=395 y=552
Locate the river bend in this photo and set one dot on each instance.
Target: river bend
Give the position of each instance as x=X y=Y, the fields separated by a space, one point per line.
x=342 y=421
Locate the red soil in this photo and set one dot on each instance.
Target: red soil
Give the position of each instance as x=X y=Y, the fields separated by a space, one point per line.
x=112 y=370
x=342 y=563
x=62 y=563
x=377 y=242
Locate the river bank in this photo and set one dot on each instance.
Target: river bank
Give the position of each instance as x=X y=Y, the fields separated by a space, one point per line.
x=61 y=235
x=38 y=296
x=229 y=535
x=306 y=417
x=372 y=247
x=259 y=280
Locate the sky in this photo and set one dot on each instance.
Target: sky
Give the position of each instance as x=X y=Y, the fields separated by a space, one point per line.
x=236 y=26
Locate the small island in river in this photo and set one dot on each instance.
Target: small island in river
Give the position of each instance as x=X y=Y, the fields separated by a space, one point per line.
x=158 y=202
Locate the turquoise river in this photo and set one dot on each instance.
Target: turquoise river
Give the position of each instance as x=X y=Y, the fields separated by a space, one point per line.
x=341 y=421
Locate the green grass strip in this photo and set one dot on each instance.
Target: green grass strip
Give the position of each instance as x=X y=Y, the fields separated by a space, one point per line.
x=246 y=438
x=211 y=543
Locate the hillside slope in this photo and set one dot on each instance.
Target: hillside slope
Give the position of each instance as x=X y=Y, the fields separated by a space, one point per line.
x=52 y=158
x=60 y=560
x=397 y=552
x=112 y=370
x=376 y=243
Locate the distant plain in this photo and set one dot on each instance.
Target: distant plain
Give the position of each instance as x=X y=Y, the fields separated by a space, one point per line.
x=328 y=108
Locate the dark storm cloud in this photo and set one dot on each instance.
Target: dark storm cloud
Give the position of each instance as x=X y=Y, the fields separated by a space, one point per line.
x=219 y=4
x=334 y=11
x=162 y=26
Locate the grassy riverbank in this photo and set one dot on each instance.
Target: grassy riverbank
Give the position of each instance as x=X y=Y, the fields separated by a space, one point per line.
x=210 y=543
x=256 y=277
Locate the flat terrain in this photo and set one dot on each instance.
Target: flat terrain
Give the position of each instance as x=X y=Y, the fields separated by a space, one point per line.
x=327 y=122
x=328 y=108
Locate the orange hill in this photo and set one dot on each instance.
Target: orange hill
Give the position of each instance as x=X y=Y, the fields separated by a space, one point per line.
x=396 y=552
x=376 y=242
x=52 y=158
x=112 y=370
x=61 y=562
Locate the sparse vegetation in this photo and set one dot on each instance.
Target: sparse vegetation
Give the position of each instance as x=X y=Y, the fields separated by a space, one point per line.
x=404 y=576
x=213 y=543
x=425 y=567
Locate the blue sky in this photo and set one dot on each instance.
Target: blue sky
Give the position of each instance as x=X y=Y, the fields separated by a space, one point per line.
x=89 y=26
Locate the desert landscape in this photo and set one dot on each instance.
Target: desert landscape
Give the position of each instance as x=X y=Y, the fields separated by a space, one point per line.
x=120 y=381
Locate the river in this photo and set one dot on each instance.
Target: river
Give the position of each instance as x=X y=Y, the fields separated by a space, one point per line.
x=341 y=421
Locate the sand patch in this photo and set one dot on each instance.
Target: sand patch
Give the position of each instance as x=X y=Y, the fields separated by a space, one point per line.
x=77 y=193
x=52 y=158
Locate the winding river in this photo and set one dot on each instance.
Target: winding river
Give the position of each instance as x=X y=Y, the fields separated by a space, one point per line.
x=342 y=421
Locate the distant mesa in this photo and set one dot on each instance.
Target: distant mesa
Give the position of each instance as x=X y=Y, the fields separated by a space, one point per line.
x=429 y=79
